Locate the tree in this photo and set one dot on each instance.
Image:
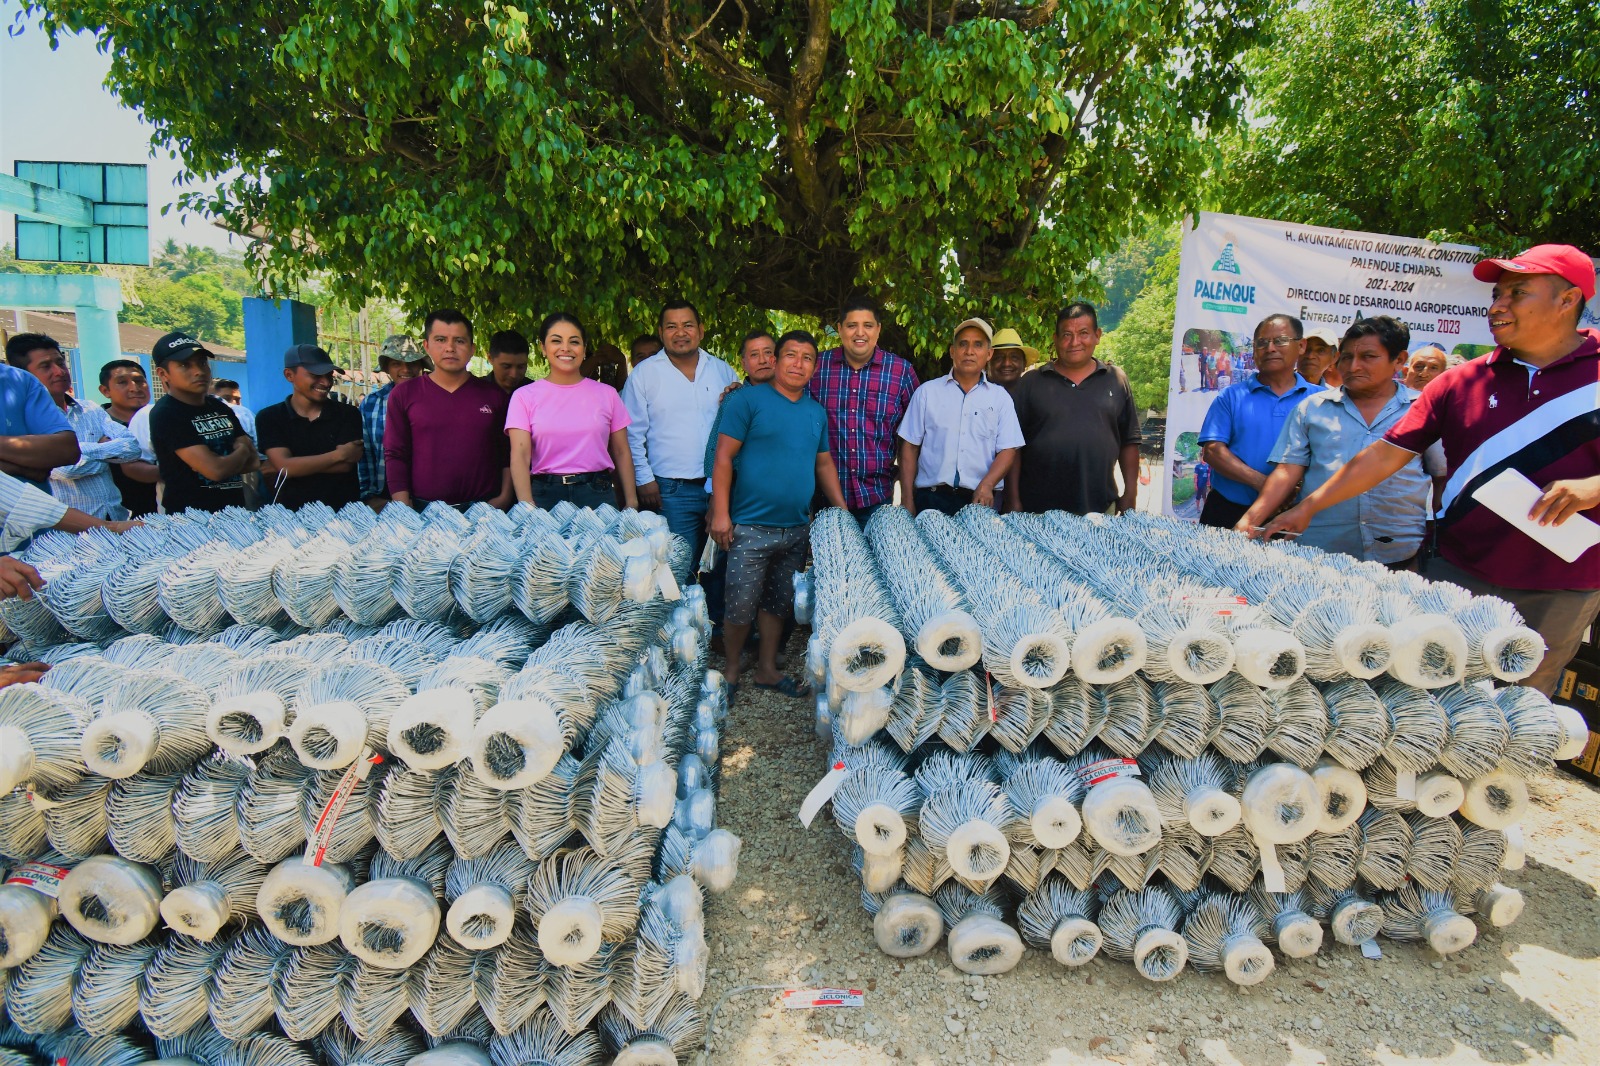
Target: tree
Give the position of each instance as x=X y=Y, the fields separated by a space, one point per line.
x=773 y=156
x=1471 y=120
x=1124 y=273
x=197 y=304
x=1142 y=344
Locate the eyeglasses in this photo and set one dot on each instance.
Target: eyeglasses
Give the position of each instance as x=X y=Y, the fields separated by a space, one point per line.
x=1281 y=342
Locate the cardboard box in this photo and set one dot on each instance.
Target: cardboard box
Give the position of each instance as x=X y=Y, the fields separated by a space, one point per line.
x=1579 y=688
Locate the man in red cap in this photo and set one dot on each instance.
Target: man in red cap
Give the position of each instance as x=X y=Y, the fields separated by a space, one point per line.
x=1532 y=405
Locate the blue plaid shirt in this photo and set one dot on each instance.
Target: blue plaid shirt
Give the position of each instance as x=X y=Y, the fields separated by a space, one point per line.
x=369 y=468
x=864 y=409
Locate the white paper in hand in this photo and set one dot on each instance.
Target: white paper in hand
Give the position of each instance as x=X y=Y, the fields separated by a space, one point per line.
x=1511 y=495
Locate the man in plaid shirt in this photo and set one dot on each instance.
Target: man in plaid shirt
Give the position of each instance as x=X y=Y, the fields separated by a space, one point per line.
x=401 y=359
x=865 y=391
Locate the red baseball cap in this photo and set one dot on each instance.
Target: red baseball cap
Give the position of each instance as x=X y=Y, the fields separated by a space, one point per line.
x=1562 y=260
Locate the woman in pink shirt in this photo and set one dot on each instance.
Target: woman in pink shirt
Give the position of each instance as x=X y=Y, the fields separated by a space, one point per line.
x=568 y=433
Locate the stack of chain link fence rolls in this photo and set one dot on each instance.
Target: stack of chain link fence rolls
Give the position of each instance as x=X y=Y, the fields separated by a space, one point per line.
x=360 y=788
x=1165 y=742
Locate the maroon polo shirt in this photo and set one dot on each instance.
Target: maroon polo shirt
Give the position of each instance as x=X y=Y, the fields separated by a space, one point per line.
x=1495 y=413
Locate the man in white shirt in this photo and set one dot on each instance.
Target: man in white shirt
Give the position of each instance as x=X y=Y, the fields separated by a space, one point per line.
x=672 y=398
x=960 y=434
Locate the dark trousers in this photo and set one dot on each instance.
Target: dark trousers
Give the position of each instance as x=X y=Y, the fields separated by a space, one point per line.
x=1222 y=512
x=549 y=491
x=946 y=500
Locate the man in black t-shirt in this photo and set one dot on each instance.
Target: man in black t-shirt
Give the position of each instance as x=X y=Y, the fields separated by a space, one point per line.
x=123 y=384
x=201 y=450
x=311 y=442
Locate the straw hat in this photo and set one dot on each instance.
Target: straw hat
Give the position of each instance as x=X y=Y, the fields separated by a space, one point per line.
x=1009 y=338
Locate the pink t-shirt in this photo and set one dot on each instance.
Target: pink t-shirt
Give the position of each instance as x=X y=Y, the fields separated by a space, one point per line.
x=571 y=425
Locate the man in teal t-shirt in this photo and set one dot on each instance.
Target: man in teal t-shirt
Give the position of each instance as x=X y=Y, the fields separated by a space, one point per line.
x=776 y=437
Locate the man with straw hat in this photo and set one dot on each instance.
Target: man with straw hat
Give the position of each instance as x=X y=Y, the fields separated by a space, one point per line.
x=1010 y=359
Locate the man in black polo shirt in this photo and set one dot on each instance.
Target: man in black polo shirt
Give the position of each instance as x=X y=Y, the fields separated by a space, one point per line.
x=1079 y=423
x=201 y=450
x=312 y=443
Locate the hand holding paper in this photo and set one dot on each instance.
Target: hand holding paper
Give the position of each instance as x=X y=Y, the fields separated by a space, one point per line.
x=1512 y=496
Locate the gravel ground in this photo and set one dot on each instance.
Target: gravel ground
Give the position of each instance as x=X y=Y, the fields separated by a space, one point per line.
x=1529 y=993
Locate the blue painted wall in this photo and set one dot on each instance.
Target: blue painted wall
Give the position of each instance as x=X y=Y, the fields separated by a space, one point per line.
x=271 y=327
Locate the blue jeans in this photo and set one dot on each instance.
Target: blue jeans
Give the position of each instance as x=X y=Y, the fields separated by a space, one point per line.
x=683 y=505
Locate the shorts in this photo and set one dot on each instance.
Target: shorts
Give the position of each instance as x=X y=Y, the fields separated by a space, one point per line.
x=761 y=566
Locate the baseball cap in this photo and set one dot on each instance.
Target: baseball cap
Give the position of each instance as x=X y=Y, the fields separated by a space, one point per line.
x=309 y=356
x=1323 y=334
x=401 y=349
x=1562 y=260
x=988 y=330
x=1010 y=338
x=176 y=346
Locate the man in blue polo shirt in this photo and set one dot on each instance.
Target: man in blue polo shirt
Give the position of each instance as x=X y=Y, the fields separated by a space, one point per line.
x=1243 y=424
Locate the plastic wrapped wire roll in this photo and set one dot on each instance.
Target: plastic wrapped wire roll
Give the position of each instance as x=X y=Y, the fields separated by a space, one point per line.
x=245 y=585
x=862 y=714
x=342 y=709
x=268 y=809
x=963 y=711
x=187 y=589
x=303 y=581
x=41 y=732
x=878 y=873
x=205 y=808
x=574 y=995
x=1280 y=803
x=1297 y=723
x=111 y=900
x=1141 y=927
x=1534 y=731
x=967 y=821
x=979 y=940
x=674 y=1037
x=1244 y=716
x=1344 y=795
x=353 y=831
x=1410 y=914
x=300 y=903
x=307 y=989
x=1074 y=718
x=131 y=596
x=874 y=806
x=540 y=588
x=151 y=719
x=28 y=907
x=38 y=994
x=712 y=860
x=1478 y=862
x=1495 y=800
x=1021 y=715
x=395 y=1046
x=1188 y=717
x=1430 y=651
x=1478 y=732
x=1292 y=928
x=485 y=896
x=1120 y=813
x=1500 y=644
x=1385 y=847
x=250 y=709
x=105 y=998
x=31 y=621
x=1500 y=905
x=363 y=579
x=480 y=577
x=1228 y=933
x=577 y=902
x=209 y=895
x=1128 y=714
x=75 y=821
x=1358 y=724
x=88 y=677
x=1045 y=795
x=409 y=660
x=613 y=795
x=1342 y=637
x=1352 y=918
x=241 y=994
x=422 y=586
x=1061 y=919
x=932 y=615
x=389 y=923
x=72 y=591
x=541 y=816
x=518 y=742
x=1186 y=643
x=433 y=728
x=542 y=1038
x=1435 y=843
x=452 y=1053
x=1195 y=792
x=1417 y=728
x=22 y=826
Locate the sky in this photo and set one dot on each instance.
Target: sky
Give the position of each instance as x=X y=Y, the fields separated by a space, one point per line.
x=54 y=106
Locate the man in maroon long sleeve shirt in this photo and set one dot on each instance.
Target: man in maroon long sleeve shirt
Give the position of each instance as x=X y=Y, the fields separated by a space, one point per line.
x=445 y=434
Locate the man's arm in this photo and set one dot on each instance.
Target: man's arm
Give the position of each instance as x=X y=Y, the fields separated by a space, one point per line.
x=1004 y=459
x=141 y=471
x=828 y=478
x=910 y=455
x=1275 y=492
x=622 y=459
x=213 y=467
x=638 y=430
x=341 y=460
x=397 y=450
x=1129 y=461
x=1222 y=461
x=1563 y=499
x=116 y=445
x=34 y=456
x=721 y=525
x=507 y=494
x=1371 y=466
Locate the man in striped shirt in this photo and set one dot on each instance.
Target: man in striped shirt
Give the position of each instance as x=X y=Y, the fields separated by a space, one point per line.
x=1530 y=406
x=866 y=392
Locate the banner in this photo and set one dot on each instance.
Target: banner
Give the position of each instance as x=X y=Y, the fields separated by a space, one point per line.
x=1234 y=271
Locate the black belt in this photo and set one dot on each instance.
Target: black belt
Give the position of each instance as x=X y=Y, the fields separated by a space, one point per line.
x=592 y=477
x=685 y=480
x=948 y=490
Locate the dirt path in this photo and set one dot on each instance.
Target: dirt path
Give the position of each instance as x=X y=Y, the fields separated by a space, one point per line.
x=1530 y=993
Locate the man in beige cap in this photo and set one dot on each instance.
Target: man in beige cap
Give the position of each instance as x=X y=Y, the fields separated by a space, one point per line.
x=1010 y=359
x=960 y=434
x=401 y=359
x=1319 y=360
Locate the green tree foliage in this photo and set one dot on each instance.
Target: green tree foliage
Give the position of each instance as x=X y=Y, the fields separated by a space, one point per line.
x=949 y=157
x=200 y=304
x=1124 y=272
x=1142 y=343
x=1466 y=119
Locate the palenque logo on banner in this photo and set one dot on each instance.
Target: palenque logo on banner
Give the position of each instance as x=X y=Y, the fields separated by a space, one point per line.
x=1234 y=271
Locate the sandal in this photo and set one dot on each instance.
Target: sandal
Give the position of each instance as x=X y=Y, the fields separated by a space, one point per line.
x=787 y=687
